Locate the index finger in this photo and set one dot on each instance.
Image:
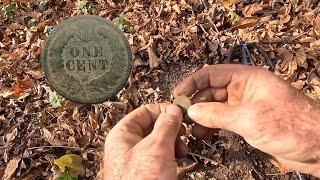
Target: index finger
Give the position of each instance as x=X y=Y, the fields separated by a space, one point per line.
x=214 y=76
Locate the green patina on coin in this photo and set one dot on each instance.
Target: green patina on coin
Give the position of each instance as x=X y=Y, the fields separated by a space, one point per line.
x=87 y=59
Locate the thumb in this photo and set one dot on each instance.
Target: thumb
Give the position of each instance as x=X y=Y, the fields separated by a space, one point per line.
x=218 y=115
x=167 y=126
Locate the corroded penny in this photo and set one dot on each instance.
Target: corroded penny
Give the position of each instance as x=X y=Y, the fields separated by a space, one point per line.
x=87 y=59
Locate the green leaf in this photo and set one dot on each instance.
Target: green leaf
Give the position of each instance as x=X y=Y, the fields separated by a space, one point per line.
x=70 y=162
x=8 y=11
x=122 y=22
x=67 y=176
x=55 y=99
x=234 y=16
x=42 y=5
x=82 y=5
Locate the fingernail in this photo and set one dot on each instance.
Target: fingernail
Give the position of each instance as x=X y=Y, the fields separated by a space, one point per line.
x=173 y=110
x=193 y=111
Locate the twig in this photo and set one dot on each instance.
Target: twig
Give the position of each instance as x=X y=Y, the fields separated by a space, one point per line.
x=183 y=170
x=215 y=27
x=205 y=142
x=299 y=175
x=275 y=174
x=257 y=173
x=203 y=28
x=205 y=158
x=67 y=147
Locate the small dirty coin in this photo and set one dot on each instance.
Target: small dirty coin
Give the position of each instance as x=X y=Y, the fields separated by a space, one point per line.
x=183 y=102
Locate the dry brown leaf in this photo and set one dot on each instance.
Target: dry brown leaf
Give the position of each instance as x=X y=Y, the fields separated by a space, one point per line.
x=76 y=115
x=138 y=62
x=195 y=40
x=246 y=23
x=288 y=57
x=317 y=91
x=316 y=23
x=93 y=120
x=301 y=58
x=307 y=39
x=317 y=65
x=252 y=9
x=284 y=19
x=176 y=8
x=315 y=45
x=228 y=3
x=11 y=136
x=32 y=37
x=153 y=59
x=22 y=84
x=48 y=136
x=293 y=66
x=11 y=168
x=298 y=84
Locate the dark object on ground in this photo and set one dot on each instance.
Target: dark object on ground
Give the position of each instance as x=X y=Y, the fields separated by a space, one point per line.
x=87 y=59
x=244 y=49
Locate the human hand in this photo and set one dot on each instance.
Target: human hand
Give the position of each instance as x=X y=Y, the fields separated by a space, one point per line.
x=142 y=145
x=252 y=102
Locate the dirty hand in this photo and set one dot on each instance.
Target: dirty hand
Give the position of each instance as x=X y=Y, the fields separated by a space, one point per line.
x=142 y=145
x=252 y=102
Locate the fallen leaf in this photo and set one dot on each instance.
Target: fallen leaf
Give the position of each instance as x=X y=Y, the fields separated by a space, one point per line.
x=298 y=84
x=93 y=120
x=301 y=58
x=56 y=99
x=176 y=8
x=22 y=84
x=284 y=19
x=76 y=115
x=288 y=57
x=67 y=176
x=246 y=23
x=153 y=59
x=315 y=45
x=251 y=9
x=17 y=90
x=228 y=3
x=11 y=136
x=49 y=137
x=316 y=23
x=317 y=91
x=317 y=65
x=11 y=168
x=32 y=37
x=70 y=162
x=195 y=40
x=307 y=39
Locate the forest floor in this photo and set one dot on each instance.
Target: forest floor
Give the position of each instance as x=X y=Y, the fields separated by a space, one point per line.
x=169 y=40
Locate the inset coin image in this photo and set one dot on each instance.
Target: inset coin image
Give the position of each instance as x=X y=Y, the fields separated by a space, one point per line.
x=87 y=59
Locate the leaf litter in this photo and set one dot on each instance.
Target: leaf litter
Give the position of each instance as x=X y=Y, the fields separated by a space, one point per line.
x=169 y=40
